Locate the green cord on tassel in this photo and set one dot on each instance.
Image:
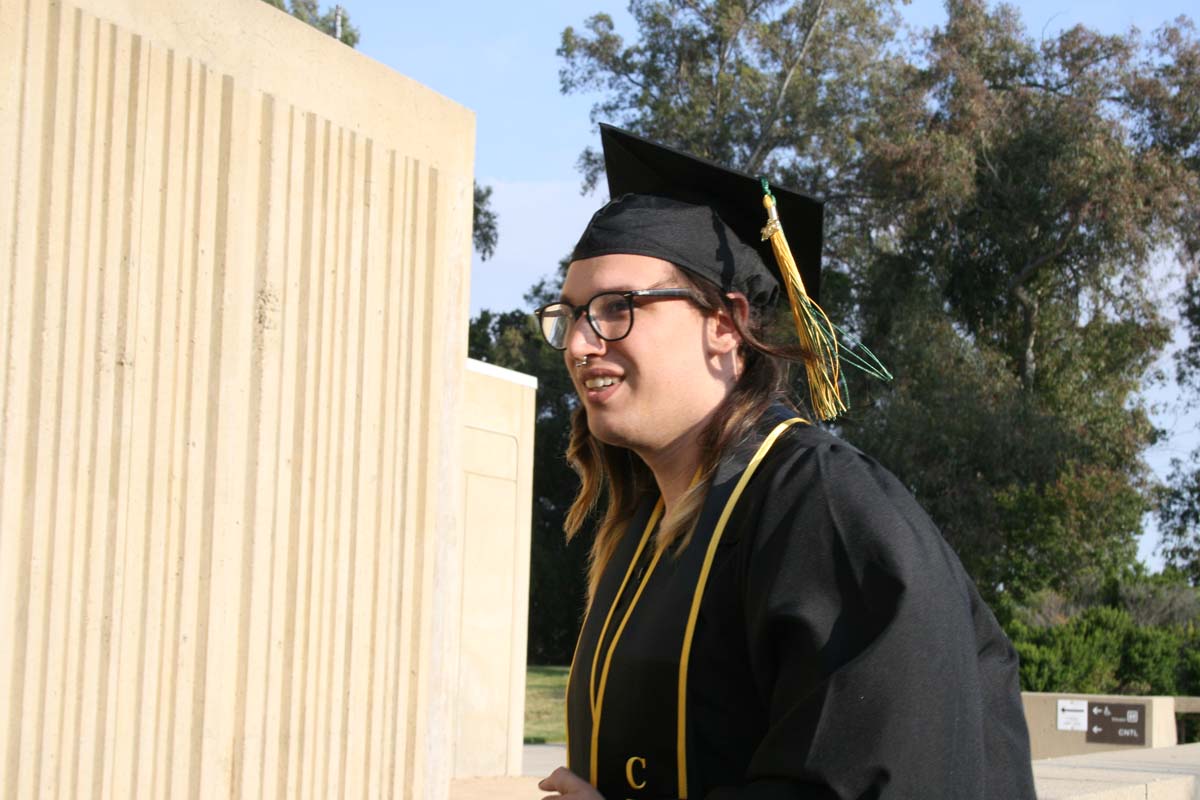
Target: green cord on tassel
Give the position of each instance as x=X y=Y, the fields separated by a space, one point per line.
x=817 y=333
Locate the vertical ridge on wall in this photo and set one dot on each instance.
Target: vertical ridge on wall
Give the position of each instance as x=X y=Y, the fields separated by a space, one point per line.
x=302 y=157
x=82 y=485
x=180 y=408
x=401 y=600
x=19 y=541
x=57 y=526
x=16 y=23
x=150 y=458
x=376 y=690
x=222 y=406
x=166 y=104
x=252 y=551
x=414 y=577
x=26 y=670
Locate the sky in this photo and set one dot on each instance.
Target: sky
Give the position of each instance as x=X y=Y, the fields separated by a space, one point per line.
x=498 y=59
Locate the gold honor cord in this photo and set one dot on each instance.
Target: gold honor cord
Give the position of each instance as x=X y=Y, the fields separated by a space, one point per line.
x=654 y=515
x=567 y=697
x=685 y=655
x=608 y=659
x=592 y=695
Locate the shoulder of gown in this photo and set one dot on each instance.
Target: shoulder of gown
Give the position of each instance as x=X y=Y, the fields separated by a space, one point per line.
x=885 y=674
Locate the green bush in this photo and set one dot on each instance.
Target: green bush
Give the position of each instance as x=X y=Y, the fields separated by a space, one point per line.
x=1081 y=655
x=1102 y=651
x=1151 y=661
x=1137 y=635
x=1189 y=671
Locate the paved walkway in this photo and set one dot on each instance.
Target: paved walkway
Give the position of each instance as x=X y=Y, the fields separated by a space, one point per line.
x=542 y=759
x=1168 y=773
x=538 y=762
x=1160 y=773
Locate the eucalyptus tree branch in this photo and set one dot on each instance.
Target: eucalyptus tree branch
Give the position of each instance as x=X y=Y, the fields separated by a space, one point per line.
x=760 y=151
x=1015 y=285
x=1056 y=89
x=1028 y=365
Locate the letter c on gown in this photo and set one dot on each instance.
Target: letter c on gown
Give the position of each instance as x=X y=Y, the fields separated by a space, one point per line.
x=629 y=765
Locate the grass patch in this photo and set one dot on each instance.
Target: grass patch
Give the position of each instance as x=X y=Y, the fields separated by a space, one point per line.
x=545 y=698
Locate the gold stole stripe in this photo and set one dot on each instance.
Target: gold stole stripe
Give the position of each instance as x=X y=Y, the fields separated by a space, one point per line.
x=592 y=694
x=685 y=655
x=654 y=515
x=594 y=699
x=599 y=707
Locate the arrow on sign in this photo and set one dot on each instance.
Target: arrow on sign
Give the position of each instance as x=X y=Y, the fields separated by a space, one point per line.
x=1097 y=710
x=1096 y=729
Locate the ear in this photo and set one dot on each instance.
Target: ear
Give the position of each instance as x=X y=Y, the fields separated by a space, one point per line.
x=723 y=336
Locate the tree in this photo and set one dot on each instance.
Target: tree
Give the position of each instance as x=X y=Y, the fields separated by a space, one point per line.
x=1171 y=101
x=993 y=205
x=334 y=21
x=485 y=224
x=1028 y=202
x=761 y=85
x=1179 y=511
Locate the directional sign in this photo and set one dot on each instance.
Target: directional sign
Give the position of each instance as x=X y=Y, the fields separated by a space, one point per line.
x=1072 y=715
x=1117 y=723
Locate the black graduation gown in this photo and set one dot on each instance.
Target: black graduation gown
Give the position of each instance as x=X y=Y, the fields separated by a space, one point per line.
x=825 y=639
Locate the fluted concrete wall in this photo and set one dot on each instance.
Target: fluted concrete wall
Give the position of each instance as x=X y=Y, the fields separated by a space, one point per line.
x=233 y=260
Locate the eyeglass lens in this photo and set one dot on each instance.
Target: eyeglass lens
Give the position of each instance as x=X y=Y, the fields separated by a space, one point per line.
x=610 y=314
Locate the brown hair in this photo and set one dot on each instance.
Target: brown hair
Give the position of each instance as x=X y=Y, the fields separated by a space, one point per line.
x=625 y=478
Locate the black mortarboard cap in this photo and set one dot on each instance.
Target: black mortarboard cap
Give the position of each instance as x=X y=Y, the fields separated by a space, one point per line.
x=701 y=216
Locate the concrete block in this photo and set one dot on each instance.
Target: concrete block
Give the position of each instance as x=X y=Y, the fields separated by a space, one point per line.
x=1168 y=773
x=233 y=316
x=1048 y=740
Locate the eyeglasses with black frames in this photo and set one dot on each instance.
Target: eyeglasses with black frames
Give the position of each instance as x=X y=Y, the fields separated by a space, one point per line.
x=609 y=313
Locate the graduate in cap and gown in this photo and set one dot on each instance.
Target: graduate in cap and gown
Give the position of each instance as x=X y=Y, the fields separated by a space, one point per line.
x=771 y=614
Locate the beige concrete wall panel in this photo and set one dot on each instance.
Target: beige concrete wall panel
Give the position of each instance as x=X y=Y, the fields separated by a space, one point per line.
x=232 y=328
x=486 y=453
x=498 y=426
x=1047 y=741
x=487 y=657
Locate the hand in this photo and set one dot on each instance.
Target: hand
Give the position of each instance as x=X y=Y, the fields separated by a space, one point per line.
x=568 y=785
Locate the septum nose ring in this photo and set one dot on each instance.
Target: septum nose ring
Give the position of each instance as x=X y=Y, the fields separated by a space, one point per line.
x=581 y=364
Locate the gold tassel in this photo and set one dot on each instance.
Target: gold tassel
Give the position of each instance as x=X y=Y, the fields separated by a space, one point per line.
x=816 y=332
